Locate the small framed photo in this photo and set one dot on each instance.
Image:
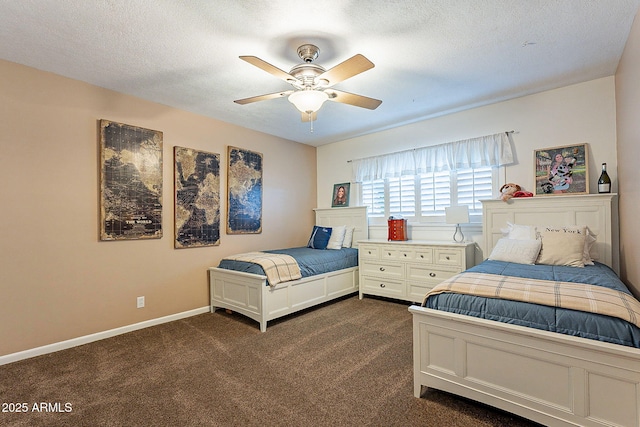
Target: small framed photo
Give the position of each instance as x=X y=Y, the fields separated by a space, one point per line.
x=340 y=195
x=561 y=170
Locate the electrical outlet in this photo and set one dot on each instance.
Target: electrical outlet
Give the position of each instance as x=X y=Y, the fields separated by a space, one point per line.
x=140 y=302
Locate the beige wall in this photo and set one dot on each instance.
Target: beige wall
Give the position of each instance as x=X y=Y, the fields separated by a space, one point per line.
x=570 y=115
x=628 y=122
x=57 y=280
x=574 y=114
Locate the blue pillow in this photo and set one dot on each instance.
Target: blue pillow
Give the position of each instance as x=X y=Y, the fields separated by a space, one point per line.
x=319 y=237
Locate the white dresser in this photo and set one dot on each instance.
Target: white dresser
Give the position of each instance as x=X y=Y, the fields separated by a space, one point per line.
x=406 y=270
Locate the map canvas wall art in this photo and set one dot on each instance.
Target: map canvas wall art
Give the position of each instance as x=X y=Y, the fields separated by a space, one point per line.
x=130 y=182
x=197 y=198
x=244 y=190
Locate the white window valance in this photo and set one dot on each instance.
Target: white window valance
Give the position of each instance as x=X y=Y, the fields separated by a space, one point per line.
x=485 y=151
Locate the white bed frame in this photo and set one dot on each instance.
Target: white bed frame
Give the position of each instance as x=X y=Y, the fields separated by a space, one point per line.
x=550 y=378
x=250 y=295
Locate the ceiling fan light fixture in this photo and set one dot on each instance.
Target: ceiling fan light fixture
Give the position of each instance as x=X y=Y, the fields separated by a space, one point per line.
x=312 y=82
x=308 y=101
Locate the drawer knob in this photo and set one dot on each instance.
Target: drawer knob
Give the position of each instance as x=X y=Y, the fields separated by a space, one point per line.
x=421 y=256
x=447 y=258
x=382 y=285
x=389 y=253
x=432 y=274
x=369 y=252
x=404 y=255
x=381 y=268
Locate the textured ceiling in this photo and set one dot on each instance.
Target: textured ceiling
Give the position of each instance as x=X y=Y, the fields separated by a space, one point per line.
x=431 y=57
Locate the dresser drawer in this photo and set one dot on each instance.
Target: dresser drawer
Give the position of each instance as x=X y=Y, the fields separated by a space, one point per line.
x=451 y=257
x=424 y=255
x=397 y=254
x=369 y=252
x=417 y=290
x=389 y=252
x=429 y=273
x=383 y=287
x=382 y=269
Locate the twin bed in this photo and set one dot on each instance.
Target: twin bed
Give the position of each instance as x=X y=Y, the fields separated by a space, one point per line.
x=565 y=375
x=249 y=292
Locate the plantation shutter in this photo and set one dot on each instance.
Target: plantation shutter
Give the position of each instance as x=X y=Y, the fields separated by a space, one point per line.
x=373 y=197
x=402 y=196
x=435 y=193
x=474 y=185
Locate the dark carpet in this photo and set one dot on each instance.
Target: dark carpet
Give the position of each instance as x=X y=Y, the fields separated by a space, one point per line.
x=346 y=363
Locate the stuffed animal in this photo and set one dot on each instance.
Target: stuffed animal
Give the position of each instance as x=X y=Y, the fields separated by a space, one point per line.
x=560 y=177
x=508 y=190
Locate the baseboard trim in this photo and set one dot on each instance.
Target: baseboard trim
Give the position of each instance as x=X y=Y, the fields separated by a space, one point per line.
x=74 y=342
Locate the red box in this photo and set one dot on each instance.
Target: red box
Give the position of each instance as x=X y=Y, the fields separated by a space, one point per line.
x=397 y=229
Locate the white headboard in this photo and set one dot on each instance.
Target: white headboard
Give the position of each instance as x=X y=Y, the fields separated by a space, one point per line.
x=350 y=216
x=599 y=212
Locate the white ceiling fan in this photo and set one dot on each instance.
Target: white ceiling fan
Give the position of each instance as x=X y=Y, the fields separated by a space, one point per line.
x=313 y=83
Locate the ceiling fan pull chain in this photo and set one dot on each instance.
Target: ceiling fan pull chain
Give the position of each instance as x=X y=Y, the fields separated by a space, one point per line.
x=310 y=123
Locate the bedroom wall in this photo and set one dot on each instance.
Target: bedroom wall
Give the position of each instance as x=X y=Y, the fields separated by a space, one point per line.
x=57 y=280
x=628 y=126
x=570 y=115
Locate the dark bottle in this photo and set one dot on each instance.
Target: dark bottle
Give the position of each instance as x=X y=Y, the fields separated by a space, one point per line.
x=604 y=182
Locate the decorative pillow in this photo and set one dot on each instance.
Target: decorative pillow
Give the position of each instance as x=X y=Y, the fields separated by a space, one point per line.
x=348 y=237
x=337 y=237
x=524 y=232
x=589 y=240
x=519 y=232
x=518 y=251
x=319 y=237
x=562 y=246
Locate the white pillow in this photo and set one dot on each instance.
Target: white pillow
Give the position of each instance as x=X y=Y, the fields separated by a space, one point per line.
x=337 y=237
x=519 y=232
x=525 y=232
x=562 y=247
x=348 y=237
x=518 y=251
x=589 y=241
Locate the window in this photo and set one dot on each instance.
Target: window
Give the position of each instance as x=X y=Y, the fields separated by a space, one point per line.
x=474 y=185
x=402 y=196
x=373 y=197
x=435 y=192
x=423 y=197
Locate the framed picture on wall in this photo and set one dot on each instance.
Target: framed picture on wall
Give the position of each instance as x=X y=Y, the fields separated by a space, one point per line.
x=340 y=195
x=561 y=170
x=244 y=191
x=197 y=198
x=130 y=182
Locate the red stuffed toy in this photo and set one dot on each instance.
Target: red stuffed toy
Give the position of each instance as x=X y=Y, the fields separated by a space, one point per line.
x=522 y=194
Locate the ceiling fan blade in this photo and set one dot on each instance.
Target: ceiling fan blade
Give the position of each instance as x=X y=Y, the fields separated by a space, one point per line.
x=271 y=69
x=262 y=97
x=305 y=116
x=349 y=68
x=353 y=99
